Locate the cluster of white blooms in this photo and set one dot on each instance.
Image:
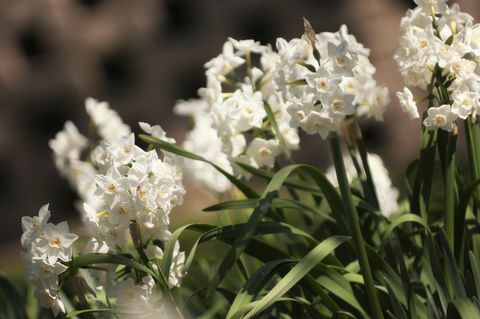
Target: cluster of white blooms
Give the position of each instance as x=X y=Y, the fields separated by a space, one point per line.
x=68 y=146
x=326 y=77
x=45 y=247
x=119 y=183
x=203 y=140
x=440 y=47
x=233 y=105
x=108 y=123
x=133 y=185
x=387 y=194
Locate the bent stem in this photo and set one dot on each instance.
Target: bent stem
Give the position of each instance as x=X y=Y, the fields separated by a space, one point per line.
x=355 y=229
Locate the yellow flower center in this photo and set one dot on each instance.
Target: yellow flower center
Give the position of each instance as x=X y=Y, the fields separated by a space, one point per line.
x=440 y=120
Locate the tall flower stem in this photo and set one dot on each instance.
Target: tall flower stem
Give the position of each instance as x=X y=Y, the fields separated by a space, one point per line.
x=472 y=149
x=355 y=230
x=364 y=156
x=450 y=188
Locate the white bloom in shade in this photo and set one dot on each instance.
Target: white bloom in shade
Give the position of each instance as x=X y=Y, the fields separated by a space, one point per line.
x=49 y=298
x=246 y=109
x=438 y=6
x=408 y=103
x=154 y=252
x=203 y=140
x=375 y=103
x=176 y=268
x=440 y=117
x=67 y=145
x=109 y=125
x=263 y=152
x=224 y=62
x=34 y=226
x=135 y=296
x=56 y=242
x=245 y=46
x=463 y=103
x=387 y=194
x=95 y=246
x=41 y=270
x=156 y=131
x=44 y=246
x=319 y=122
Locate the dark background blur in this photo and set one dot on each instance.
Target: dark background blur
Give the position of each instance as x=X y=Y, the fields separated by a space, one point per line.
x=142 y=56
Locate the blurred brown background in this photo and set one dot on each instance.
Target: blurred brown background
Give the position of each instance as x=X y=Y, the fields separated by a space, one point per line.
x=142 y=56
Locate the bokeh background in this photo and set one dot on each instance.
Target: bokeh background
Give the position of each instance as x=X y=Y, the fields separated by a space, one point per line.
x=142 y=56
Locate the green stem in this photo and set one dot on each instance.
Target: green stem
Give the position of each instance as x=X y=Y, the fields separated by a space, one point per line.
x=472 y=139
x=355 y=229
x=450 y=189
x=364 y=156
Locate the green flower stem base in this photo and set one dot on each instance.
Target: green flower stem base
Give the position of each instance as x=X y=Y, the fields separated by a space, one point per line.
x=352 y=216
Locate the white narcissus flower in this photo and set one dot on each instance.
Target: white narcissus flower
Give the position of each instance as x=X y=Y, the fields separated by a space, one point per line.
x=41 y=270
x=440 y=117
x=67 y=146
x=34 y=226
x=245 y=109
x=203 y=140
x=263 y=152
x=463 y=103
x=108 y=123
x=438 y=6
x=408 y=103
x=44 y=247
x=135 y=296
x=56 y=242
x=48 y=298
x=319 y=122
x=156 y=131
x=245 y=46
x=177 y=266
x=224 y=62
x=321 y=93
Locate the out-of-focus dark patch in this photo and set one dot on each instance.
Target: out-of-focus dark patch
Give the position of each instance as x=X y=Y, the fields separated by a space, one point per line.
x=32 y=44
x=90 y=3
x=256 y=25
x=119 y=69
x=44 y=117
x=189 y=82
x=6 y=179
x=65 y=199
x=374 y=134
x=181 y=15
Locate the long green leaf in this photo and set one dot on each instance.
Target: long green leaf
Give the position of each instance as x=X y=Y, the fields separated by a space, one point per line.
x=462 y=308
x=297 y=273
x=98 y=258
x=255 y=284
x=277 y=203
x=258 y=213
x=407 y=218
x=12 y=305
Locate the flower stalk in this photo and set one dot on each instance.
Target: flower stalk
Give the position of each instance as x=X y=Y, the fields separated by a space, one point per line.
x=450 y=188
x=355 y=229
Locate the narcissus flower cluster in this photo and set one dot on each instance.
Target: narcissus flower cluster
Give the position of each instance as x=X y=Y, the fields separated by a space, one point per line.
x=46 y=250
x=440 y=47
x=325 y=78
